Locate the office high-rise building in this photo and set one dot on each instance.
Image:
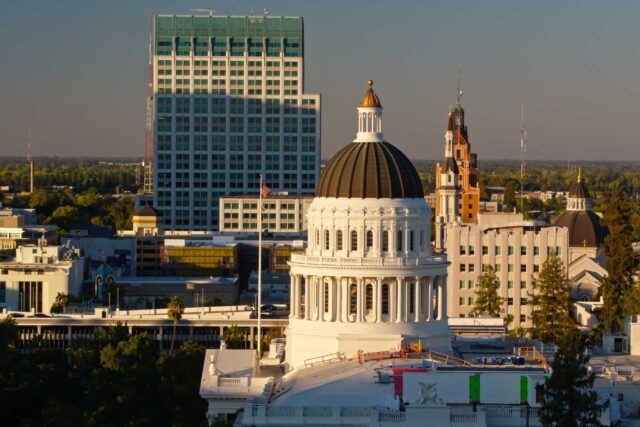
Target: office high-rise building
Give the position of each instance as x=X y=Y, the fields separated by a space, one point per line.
x=229 y=104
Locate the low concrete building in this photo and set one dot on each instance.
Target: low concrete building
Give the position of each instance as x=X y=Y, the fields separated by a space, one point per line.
x=281 y=213
x=142 y=292
x=20 y=227
x=229 y=378
x=194 y=257
x=33 y=280
x=275 y=287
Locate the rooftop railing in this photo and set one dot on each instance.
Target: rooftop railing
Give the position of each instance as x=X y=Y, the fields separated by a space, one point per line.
x=368 y=261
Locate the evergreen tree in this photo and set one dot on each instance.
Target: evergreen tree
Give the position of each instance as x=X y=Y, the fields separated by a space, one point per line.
x=619 y=290
x=569 y=400
x=551 y=304
x=487 y=300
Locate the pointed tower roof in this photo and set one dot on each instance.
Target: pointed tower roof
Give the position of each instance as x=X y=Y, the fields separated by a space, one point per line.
x=579 y=189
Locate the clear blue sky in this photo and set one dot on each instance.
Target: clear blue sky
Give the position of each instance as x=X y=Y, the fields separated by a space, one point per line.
x=74 y=72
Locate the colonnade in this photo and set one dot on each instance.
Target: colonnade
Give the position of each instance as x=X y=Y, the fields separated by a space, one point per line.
x=368 y=299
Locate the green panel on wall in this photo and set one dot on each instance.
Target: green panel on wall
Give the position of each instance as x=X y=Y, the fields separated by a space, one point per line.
x=474 y=388
x=524 y=388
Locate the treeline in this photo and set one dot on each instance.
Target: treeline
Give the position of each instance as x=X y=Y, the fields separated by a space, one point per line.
x=115 y=380
x=600 y=177
x=81 y=174
x=64 y=208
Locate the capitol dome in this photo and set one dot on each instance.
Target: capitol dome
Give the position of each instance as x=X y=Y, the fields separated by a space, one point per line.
x=368 y=280
x=370 y=170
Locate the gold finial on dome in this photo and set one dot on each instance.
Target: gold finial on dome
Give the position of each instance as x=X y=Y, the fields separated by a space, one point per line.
x=579 y=174
x=370 y=99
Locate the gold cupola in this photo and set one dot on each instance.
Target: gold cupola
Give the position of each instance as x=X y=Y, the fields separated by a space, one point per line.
x=370 y=99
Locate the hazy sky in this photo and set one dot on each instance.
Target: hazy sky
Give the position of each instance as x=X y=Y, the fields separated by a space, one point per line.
x=74 y=72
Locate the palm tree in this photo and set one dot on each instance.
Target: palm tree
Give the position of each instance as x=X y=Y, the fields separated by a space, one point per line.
x=174 y=311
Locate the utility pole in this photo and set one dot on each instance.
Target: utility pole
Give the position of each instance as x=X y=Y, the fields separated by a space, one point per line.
x=30 y=160
x=523 y=151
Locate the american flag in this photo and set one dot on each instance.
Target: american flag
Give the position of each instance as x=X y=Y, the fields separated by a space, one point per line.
x=264 y=192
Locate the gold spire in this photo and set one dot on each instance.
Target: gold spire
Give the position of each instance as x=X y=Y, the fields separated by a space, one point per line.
x=579 y=174
x=370 y=99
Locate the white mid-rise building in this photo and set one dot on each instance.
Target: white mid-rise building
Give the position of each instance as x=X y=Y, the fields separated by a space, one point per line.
x=33 y=280
x=515 y=248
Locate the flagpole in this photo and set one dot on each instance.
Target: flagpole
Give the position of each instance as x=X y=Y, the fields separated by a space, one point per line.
x=260 y=272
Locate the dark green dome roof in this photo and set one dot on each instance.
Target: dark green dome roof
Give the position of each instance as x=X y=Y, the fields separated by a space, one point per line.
x=364 y=170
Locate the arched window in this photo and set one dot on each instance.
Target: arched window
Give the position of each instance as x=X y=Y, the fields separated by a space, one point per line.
x=326 y=297
x=353 y=298
x=354 y=240
x=399 y=241
x=339 y=240
x=412 y=298
x=369 y=298
x=385 y=241
x=369 y=239
x=326 y=240
x=385 y=299
x=411 y=240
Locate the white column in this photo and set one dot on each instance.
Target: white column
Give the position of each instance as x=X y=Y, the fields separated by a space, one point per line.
x=399 y=300
x=307 y=296
x=429 y=308
x=359 y=305
x=378 y=301
x=292 y=296
x=417 y=310
x=298 y=296
x=321 y=298
x=338 y=292
x=439 y=290
x=316 y=298
x=406 y=240
x=443 y=296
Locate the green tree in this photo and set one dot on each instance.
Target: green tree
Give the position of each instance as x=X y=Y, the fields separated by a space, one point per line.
x=180 y=386
x=487 y=301
x=551 y=303
x=60 y=303
x=619 y=290
x=174 y=312
x=125 y=389
x=234 y=337
x=569 y=399
x=65 y=216
x=509 y=201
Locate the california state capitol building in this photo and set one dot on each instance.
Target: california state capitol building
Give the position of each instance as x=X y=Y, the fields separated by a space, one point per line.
x=367 y=292
x=368 y=280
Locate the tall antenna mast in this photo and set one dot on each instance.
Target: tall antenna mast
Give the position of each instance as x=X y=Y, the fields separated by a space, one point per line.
x=30 y=160
x=523 y=151
x=458 y=88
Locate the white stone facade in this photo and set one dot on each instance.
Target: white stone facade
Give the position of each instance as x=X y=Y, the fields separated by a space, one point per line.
x=368 y=280
x=514 y=247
